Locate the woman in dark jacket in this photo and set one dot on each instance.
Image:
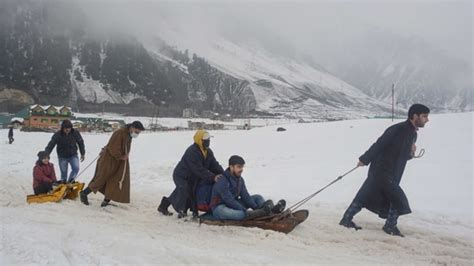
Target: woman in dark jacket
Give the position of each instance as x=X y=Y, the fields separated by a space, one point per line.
x=43 y=174
x=197 y=164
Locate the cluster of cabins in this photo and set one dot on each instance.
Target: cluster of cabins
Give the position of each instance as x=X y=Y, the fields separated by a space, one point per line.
x=49 y=118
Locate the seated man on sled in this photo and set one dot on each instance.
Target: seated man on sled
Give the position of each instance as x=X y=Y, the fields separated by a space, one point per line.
x=228 y=199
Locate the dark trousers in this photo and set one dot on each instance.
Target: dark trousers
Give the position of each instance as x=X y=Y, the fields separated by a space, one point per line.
x=182 y=196
x=43 y=188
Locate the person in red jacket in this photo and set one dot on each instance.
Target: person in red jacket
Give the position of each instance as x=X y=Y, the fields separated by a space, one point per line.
x=43 y=174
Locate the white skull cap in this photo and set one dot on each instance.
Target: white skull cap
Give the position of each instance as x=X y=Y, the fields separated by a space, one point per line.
x=206 y=136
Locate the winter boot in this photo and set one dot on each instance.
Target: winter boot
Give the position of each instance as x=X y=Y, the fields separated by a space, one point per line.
x=250 y=215
x=349 y=224
x=268 y=204
x=264 y=211
x=105 y=203
x=392 y=230
x=390 y=226
x=83 y=197
x=182 y=214
x=163 y=207
x=346 y=220
x=279 y=207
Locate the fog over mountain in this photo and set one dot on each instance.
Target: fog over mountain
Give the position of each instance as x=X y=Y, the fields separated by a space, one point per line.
x=299 y=58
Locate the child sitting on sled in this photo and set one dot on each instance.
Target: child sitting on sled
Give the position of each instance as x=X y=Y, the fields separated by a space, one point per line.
x=44 y=176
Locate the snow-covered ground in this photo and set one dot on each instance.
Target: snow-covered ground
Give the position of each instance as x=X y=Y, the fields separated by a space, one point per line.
x=289 y=165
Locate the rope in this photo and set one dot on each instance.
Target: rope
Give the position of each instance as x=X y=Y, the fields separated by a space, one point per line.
x=83 y=170
x=303 y=201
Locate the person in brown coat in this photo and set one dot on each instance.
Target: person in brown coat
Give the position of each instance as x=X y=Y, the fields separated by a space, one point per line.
x=112 y=173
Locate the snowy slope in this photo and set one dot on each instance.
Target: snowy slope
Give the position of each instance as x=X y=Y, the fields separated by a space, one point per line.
x=289 y=164
x=279 y=84
x=94 y=91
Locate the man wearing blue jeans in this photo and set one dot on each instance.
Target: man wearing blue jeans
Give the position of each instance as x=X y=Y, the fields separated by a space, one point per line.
x=230 y=199
x=67 y=141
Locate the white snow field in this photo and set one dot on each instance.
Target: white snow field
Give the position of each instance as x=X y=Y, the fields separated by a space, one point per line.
x=289 y=165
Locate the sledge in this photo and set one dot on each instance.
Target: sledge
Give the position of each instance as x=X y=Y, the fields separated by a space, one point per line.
x=62 y=191
x=284 y=222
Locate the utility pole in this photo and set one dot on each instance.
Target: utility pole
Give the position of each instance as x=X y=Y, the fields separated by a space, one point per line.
x=393 y=101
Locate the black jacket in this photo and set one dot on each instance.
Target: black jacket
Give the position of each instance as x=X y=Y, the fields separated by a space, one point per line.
x=193 y=166
x=67 y=144
x=191 y=169
x=387 y=158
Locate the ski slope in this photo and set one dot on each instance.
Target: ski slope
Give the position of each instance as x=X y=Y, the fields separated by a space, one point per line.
x=288 y=165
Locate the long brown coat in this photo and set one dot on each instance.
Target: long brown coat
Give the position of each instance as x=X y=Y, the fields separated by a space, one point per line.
x=111 y=170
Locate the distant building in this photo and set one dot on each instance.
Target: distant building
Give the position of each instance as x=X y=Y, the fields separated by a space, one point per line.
x=207 y=114
x=7 y=119
x=196 y=125
x=78 y=124
x=47 y=116
x=188 y=113
x=114 y=125
x=201 y=125
x=17 y=122
x=227 y=118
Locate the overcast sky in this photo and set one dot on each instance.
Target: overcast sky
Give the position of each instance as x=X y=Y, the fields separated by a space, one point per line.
x=299 y=25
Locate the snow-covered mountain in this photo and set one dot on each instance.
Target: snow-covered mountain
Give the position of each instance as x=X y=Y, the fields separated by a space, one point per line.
x=286 y=86
x=174 y=67
x=121 y=72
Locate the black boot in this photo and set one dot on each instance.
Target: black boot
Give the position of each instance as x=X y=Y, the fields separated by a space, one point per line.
x=390 y=226
x=349 y=224
x=250 y=215
x=279 y=207
x=163 y=207
x=264 y=211
x=346 y=220
x=182 y=214
x=392 y=230
x=268 y=205
x=83 y=197
x=105 y=203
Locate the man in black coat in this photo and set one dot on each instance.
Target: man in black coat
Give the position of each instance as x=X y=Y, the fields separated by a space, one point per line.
x=198 y=163
x=67 y=140
x=381 y=192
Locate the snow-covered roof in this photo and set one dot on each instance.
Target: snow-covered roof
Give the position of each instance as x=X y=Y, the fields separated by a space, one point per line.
x=77 y=122
x=20 y=119
x=46 y=107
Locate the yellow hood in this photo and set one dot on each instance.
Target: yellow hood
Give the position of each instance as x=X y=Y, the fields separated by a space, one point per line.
x=198 y=140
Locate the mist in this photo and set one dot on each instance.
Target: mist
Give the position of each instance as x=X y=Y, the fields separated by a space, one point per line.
x=292 y=28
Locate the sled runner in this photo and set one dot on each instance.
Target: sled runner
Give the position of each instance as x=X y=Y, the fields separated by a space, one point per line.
x=63 y=191
x=284 y=223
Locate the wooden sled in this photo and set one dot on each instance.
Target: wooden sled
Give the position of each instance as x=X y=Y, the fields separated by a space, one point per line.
x=63 y=191
x=285 y=223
